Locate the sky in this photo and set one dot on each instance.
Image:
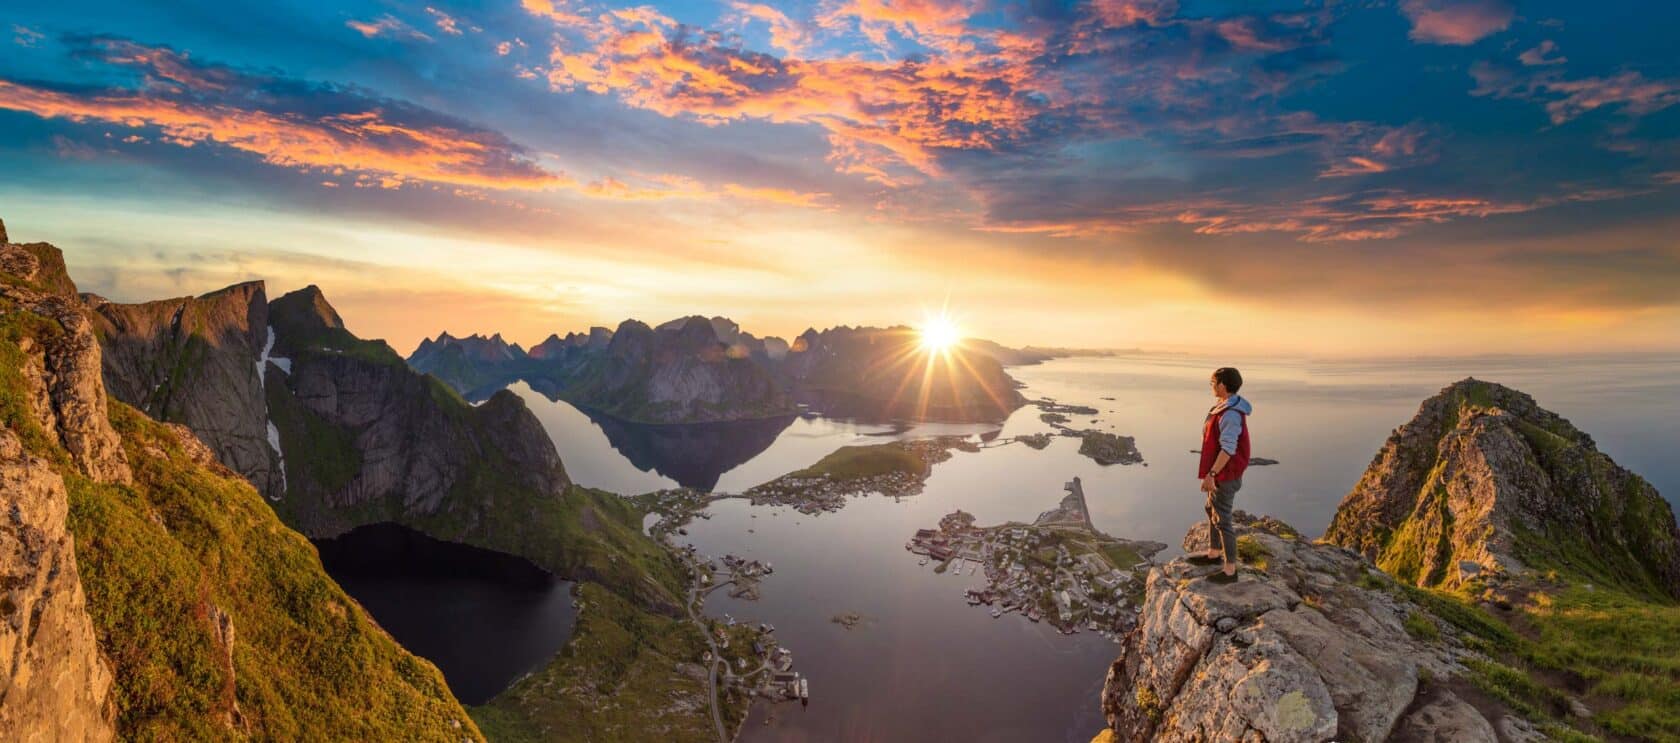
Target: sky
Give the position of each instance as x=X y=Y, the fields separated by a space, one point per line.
x=1420 y=177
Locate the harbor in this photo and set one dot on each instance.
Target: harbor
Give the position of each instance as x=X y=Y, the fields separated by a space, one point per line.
x=1059 y=569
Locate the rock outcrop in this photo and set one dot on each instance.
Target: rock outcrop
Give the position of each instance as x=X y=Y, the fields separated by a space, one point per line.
x=54 y=685
x=1485 y=485
x=1298 y=650
x=60 y=365
x=198 y=361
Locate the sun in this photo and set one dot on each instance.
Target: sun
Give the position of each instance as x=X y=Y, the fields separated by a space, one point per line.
x=939 y=333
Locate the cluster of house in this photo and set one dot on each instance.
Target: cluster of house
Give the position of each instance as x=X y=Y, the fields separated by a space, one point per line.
x=773 y=678
x=812 y=495
x=1030 y=569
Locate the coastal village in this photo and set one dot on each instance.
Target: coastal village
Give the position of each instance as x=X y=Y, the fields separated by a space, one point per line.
x=1058 y=569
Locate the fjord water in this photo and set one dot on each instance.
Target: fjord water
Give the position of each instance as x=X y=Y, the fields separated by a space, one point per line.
x=924 y=665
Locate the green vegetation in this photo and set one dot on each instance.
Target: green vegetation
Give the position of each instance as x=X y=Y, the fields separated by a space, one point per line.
x=1122 y=555
x=160 y=558
x=318 y=452
x=857 y=462
x=15 y=410
x=1252 y=553
x=1484 y=631
x=1424 y=539
x=1421 y=627
x=1621 y=653
x=626 y=674
x=584 y=534
x=1625 y=650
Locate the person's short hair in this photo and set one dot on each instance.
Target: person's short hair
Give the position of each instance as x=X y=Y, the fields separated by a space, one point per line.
x=1230 y=377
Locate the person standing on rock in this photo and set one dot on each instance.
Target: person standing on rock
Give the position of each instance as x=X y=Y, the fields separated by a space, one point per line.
x=1224 y=458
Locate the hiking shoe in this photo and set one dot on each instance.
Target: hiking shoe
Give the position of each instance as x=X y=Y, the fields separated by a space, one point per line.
x=1221 y=578
x=1202 y=560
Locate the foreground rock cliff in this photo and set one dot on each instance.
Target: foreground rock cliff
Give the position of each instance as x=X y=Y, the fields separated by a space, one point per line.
x=1492 y=577
x=146 y=592
x=1310 y=647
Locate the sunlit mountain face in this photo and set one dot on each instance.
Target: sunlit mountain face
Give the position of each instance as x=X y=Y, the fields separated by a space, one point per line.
x=1332 y=178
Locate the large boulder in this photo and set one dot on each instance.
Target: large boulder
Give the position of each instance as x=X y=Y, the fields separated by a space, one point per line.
x=1300 y=650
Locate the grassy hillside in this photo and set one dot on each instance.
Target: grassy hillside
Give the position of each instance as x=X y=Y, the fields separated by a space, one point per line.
x=218 y=621
x=855 y=462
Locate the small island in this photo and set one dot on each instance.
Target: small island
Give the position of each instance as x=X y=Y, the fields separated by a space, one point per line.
x=894 y=469
x=1102 y=447
x=1059 y=569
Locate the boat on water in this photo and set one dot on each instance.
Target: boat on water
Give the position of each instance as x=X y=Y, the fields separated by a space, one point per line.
x=996 y=612
x=924 y=561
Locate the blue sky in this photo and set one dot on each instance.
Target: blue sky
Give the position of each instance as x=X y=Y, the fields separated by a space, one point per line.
x=1318 y=177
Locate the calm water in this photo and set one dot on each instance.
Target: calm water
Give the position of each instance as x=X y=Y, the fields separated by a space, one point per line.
x=483 y=618
x=925 y=665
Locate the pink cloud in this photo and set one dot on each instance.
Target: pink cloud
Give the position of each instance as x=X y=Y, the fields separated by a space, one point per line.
x=1540 y=55
x=1456 y=22
x=386 y=25
x=1565 y=99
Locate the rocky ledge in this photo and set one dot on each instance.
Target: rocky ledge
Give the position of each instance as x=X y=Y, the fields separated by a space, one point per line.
x=1309 y=645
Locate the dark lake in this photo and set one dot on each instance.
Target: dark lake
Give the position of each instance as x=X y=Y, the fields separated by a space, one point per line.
x=482 y=617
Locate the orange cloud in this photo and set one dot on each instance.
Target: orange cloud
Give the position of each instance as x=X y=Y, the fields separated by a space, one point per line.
x=892 y=115
x=786 y=34
x=368 y=141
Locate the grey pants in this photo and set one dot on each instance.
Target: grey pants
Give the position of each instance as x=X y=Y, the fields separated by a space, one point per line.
x=1222 y=532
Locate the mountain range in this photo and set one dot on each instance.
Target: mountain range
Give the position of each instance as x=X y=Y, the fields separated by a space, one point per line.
x=696 y=370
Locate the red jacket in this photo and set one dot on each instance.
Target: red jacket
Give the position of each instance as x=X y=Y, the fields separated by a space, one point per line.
x=1210 y=447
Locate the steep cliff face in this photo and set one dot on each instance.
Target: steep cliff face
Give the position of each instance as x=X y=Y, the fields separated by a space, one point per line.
x=122 y=538
x=883 y=373
x=197 y=361
x=1483 y=484
x=373 y=440
x=1309 y=648
x=54 y=684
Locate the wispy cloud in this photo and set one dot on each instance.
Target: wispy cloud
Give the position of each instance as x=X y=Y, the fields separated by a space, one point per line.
x=284 y=122
x=388 y=26
x=1565 y=99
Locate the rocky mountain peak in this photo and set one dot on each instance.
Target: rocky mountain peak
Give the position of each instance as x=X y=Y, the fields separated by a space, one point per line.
x=304 y=312
x=3 y=238
x=1483 y=484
